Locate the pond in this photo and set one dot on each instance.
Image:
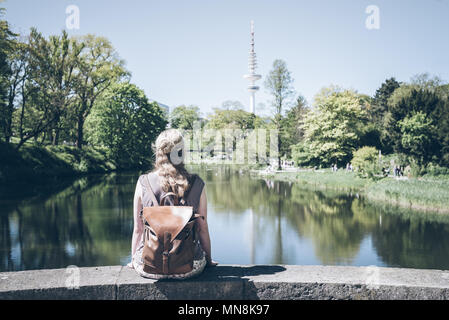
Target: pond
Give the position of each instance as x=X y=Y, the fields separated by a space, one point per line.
x=251 y=221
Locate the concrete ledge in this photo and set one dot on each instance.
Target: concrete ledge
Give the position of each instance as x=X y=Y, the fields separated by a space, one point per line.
x=253 y=282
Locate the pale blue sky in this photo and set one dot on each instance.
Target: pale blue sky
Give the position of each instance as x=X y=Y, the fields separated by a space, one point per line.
x=196 y=51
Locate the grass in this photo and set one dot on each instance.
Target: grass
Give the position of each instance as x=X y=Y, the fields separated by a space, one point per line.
x=428 y=193
x=323 y=179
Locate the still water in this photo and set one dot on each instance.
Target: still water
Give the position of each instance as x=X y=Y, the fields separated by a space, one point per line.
x=251 y=221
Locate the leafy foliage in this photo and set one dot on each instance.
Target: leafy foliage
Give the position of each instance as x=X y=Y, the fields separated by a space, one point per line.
x=126 y=123
x=279 y=84
x=366 y=162
x=417 y=136
x=292 y=131
x=231 y=119
x=184 y=117
x=332 y=129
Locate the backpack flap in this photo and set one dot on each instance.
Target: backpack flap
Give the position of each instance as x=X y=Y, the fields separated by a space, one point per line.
x=170 y=219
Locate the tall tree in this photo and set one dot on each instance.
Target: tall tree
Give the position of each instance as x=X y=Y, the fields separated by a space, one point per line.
x=378 y=114
x=63 y=58
x=279 y=84
x=184 y=117
x=292 y=125
x=418 y=137
x=126 y=123
x=408 y=101
x=7 y=45
x=99 y=66
x=332 y=127
x=231 y=119
x=45 y=69
x=380 y=101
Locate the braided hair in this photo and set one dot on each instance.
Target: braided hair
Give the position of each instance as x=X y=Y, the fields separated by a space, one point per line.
x=170 y=152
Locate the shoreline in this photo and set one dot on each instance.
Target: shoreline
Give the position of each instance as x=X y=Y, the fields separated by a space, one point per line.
x=36 y=170
x=404 y=193
x=40 y=169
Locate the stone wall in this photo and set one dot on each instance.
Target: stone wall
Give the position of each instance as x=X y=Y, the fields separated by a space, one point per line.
x=231 y=282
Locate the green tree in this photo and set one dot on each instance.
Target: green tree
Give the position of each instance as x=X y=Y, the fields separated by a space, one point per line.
x=99 y=67
x=332 y=128
x=56 y=69
x=126 y=123
x=7 y=49
x=292 y=130
x=42 y=87
x=417 y=136
x=375 y=135
x=301 y=154
x=406 y=102
x=234 y=125
x=184 y=117
x=279 y=84
x=231 y=119
x=380 y=100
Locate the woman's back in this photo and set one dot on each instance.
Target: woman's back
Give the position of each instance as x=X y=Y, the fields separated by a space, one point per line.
x=169 y=182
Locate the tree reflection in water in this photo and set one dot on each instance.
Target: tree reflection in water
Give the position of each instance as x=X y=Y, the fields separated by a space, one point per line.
x=251 y=220
x=296 y=225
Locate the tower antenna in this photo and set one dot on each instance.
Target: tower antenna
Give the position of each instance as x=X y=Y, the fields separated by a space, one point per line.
x=252 y=76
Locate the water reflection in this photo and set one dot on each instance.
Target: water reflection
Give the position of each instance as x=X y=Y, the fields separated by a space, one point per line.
x=251 y=221
x=84 y=225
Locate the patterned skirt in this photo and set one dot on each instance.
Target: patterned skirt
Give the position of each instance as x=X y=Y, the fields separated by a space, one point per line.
x=199 y=263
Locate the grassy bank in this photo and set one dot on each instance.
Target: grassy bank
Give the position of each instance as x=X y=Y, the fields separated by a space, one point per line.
x=322 y=179
x=429 y=193
x=35 y=164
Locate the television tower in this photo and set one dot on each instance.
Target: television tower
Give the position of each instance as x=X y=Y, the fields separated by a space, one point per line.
x=252 y=76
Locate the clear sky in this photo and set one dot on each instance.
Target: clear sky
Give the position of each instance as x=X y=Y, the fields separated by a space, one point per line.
x=196 y=51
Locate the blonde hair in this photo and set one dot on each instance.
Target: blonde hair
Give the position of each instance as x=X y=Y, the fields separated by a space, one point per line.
x=169 y=164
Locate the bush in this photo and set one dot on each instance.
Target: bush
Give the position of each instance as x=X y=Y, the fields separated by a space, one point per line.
x=301 y=154
x=365 y=162
x=433 y=169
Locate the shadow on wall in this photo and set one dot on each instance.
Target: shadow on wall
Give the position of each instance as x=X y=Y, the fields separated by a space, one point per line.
x=220 y=282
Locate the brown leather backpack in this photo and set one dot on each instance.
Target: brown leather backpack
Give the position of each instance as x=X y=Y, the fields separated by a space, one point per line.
x=169 y=234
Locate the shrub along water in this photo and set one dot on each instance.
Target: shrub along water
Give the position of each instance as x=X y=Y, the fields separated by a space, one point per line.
x=41 y=164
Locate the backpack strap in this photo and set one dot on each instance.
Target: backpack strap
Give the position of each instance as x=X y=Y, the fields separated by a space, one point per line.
x=151 y=191
x=194 y=195
x=148 y=196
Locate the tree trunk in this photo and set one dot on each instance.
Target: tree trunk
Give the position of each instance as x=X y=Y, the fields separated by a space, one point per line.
x=56 y=137
x=279 y=149
x=80 y=136
x=50 y=135
x=8 y=131
x=20 y=144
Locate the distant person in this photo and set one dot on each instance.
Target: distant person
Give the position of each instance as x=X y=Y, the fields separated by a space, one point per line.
x=170 y=178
